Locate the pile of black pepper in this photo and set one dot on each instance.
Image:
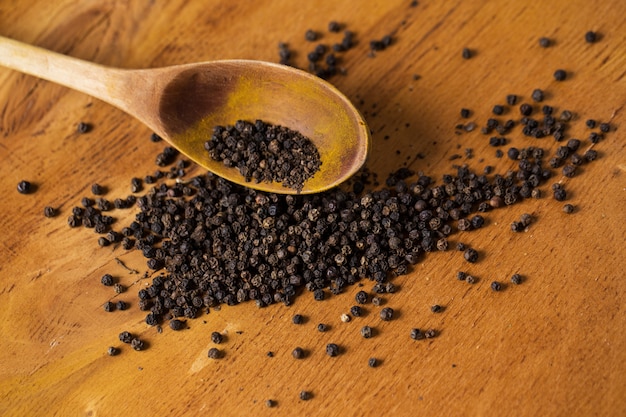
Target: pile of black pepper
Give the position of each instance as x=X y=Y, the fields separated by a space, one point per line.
x=265 y=152
x=215 y=242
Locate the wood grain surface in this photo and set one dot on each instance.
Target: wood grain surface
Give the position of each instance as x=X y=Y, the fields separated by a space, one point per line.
x=553 y=346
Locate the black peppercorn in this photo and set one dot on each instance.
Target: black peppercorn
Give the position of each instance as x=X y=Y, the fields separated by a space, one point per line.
x=465 y=113
x=361 y=297
x=568 y=208
x=83 y=127
x=386 y=314
x=516 y=279
x=177 y=325
x=24 y=187
x=113 y=351
x=513 y=153
x=107 y=280
x=417 y=334
x=470 y=255
x=526 y=109
x=322 y=327
x=356 y=311
x=297 y=319
x=305 y=395
x=467 y=53
x=334 y=26
x=125 y=337
x=109 y=306
x=372 y=362
x=430 y=333
x=436 y=308
x=544 y=42
x=498 y=109
x=496 y=286
x=97 y=189
x=590 y=37
x=591 y=155
x=366 y=332
x=511 y=99
x=559 y=194
x=537 y=95
x=332 y=349
x=217 y=338
x=214 y=353
x=297 y=353
x=310 y=35
x=461 y=276
x=605 y=127
x=560 y=75
x=121 y=305
x=49 y=211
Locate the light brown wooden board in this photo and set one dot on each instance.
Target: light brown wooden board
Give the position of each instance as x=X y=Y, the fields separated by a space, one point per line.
x=553 y=346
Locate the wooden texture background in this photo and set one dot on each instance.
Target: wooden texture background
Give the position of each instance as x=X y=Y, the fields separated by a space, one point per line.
x=555 y=345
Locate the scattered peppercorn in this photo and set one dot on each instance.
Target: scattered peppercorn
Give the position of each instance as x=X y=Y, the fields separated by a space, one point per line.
x=176 y=324
x=465 y=113
x=310 y=35
x=516 y=279
x=305 y=395
x=297 y=319
x=366 y=332
x=377 y=301
x=537 y=95
x=334 y=26
x=332 y=349
x=217 y=338
x=498 y=109
x=470 y=255
x=121 y=305
x=372 y=362
x=568 y=208
x=560 y=75
x=591 y=37
x=544 y=42
x=386 y=314
x=107 y=280
x=322 y=327
x=467 y=53
x=559 y=194
x=605 y=127
x=214 y=353
x=436 y=308
x=361 y=297
x=297 y=353
x=430 y=333
x=125 y=337
x=356 y=311
x=83 y=127
x=49 y=211
x=417 y=334
x=109 y=306
x=24 y=187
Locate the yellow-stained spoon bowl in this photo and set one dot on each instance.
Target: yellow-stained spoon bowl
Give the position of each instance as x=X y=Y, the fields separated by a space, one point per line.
x=183 y=103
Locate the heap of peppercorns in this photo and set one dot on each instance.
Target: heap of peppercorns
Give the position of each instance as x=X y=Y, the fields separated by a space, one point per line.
x=265 y=152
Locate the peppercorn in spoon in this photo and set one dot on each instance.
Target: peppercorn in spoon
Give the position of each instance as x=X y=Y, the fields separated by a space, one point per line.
x=183 y=103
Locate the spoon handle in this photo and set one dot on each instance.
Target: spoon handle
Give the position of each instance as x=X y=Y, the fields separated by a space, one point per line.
x=104 y=83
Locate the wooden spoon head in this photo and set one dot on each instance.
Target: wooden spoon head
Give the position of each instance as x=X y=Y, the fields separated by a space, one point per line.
x=201 y=96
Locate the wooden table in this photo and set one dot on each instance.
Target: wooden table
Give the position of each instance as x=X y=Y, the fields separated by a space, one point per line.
x=554 y=345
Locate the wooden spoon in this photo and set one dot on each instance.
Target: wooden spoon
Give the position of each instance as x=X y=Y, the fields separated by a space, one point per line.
x=182 y=103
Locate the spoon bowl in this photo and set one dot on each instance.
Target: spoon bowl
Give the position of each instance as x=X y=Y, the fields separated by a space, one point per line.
x=183 y=103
